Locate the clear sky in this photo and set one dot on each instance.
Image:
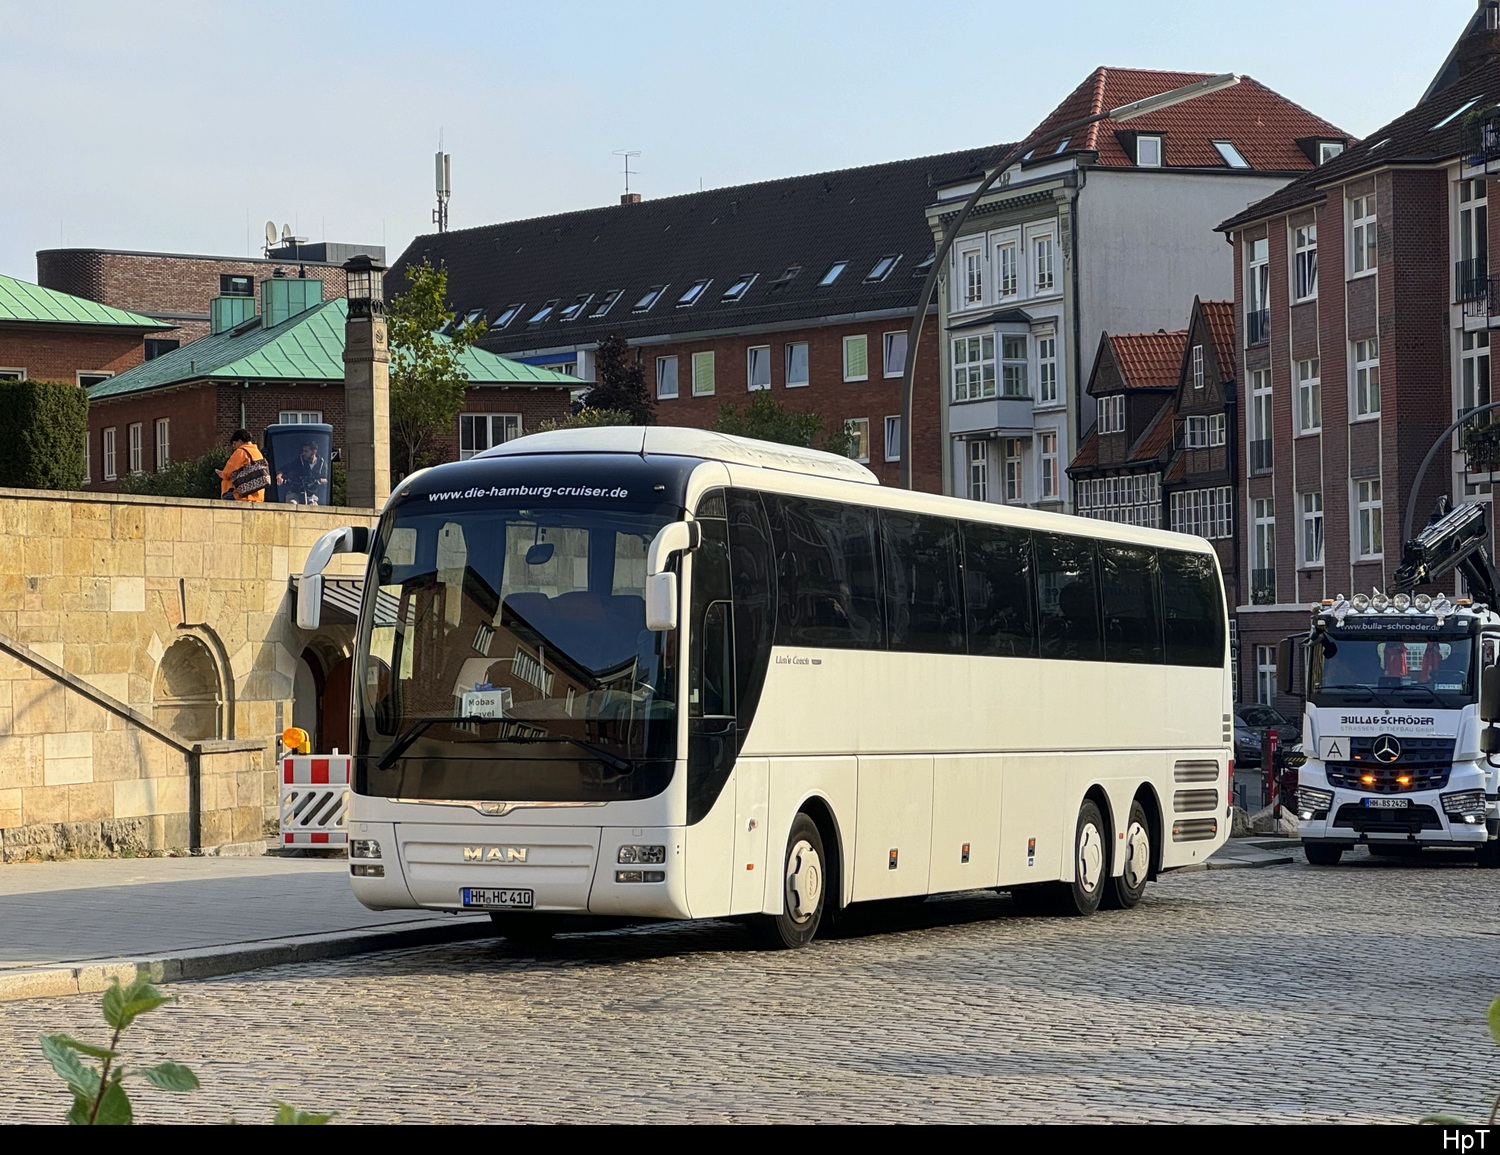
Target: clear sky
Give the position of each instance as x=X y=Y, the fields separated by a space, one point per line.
x=184 y=127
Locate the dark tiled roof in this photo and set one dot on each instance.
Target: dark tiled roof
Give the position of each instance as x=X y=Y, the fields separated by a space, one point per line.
x=1427 y=133
x=858 y=215
x=1220 y=318
x=1149 y=360
x=1263 y=125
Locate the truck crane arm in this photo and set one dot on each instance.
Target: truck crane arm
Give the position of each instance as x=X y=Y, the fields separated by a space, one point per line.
x=1452 y=539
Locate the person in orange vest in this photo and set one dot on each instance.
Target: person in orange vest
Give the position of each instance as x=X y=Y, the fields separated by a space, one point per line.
x=245 y=476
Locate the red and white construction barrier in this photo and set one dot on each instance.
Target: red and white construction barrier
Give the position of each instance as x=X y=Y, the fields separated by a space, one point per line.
x=315 y=799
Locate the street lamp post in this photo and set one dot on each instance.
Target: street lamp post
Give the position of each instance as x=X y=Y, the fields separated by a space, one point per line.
x=367 y=386
x=950 y=234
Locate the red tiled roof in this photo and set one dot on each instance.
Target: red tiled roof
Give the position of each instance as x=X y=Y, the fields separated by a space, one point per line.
x=1220 y=318
x=1157 y=438
x=1263 y=125
x=1177 y=470
x=1088 y=452
x=1149 y=360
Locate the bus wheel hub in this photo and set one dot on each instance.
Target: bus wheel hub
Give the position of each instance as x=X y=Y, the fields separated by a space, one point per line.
x=804 y=881
x=1137 y=855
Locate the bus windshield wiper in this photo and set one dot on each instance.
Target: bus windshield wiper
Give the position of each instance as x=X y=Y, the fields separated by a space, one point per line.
x=415 y=731
x=613 y=761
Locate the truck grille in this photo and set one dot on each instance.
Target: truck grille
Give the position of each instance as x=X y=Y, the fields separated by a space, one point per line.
x=1351 y=775
x=1365 y=820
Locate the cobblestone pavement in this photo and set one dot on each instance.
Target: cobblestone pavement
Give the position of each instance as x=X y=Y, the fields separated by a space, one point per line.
x=1279 y=995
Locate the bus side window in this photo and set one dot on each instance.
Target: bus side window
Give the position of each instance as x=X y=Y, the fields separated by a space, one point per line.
x=998 y=593
x=711 y=649
x=753 y=580
x=1192 y=608
x=828 y=576
x=1069 y=597
x=923 y=607
x=1131 y=590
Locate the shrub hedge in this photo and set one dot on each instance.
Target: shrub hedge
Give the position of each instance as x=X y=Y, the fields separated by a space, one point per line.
x=42 y=427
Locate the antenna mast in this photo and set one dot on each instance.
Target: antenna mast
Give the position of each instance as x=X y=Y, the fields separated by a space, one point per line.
x=628 y=153
x=444 y=171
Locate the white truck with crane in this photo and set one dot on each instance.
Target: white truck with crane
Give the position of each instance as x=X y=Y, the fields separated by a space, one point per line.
x=1395 y=749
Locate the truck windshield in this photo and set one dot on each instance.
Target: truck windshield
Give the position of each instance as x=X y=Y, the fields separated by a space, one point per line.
x=1404 y=670
x=503 y=656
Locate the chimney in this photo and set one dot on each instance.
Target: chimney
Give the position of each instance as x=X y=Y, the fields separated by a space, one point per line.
x=1478 y=47
x=630 y=198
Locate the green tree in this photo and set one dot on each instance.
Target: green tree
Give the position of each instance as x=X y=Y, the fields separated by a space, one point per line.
x=586 y=419
x=622 y=384
x=428 y=380
x=766 y=419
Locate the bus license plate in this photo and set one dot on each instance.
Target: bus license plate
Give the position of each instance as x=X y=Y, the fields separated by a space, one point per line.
x=486 y=899
x=1387 y=803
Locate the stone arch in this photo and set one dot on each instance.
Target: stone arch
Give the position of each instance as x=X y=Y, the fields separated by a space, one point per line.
x=188 y=691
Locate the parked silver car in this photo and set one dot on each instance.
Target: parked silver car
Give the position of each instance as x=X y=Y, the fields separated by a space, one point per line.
x=1250 y=722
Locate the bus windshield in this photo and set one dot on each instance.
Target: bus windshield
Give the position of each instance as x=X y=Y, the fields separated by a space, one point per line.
x=504 y=656
x=1401 y=670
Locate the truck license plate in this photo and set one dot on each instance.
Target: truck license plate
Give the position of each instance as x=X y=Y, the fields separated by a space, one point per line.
x=486 y=899
x=1387 y=803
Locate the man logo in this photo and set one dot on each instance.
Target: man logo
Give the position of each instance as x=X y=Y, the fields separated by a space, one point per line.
x=494 y=854
x=1387 y=749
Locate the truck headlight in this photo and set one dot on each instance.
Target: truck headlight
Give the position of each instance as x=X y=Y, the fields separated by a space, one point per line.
x=1465 y=805
x=1311 y=802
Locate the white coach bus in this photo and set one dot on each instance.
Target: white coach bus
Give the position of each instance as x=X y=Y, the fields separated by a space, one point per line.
x=665 y=673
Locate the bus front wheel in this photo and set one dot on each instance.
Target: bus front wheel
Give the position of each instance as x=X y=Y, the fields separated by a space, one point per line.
x=1323 y=853
x=804 y=890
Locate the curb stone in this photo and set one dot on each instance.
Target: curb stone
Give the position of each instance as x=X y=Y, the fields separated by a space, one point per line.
x=214 y=962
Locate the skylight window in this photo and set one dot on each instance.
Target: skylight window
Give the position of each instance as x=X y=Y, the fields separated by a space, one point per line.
x=608 y=303
x=506 y=315
x=543 y=313
x=924 y=265
x=472 y=316
x=1457 y=112
x=833 y=274
x=1062 y=146
x=691 y=294
x=1380 y=143
x=785 y=279
x=1231 y=154
x=652 y=295
x=883 y=268
x=738 y=288
x=575 y=310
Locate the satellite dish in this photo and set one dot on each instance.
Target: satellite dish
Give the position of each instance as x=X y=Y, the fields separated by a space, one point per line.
x=270 y=232
x=286 y=232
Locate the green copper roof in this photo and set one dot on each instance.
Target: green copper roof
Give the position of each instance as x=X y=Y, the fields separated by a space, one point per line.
x=306 y=347
x=33 y=305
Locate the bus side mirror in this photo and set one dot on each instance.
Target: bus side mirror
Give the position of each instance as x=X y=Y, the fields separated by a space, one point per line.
x=347 y=539
x=1489 y=693
x=1489 y=740
x=1286 y=654
x=309 y=601
x=661 y=602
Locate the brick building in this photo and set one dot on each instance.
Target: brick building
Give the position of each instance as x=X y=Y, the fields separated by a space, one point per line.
x=1394 y=315
x=177 y=287
x=805 y=287
x=281 y=365
x=51 y=336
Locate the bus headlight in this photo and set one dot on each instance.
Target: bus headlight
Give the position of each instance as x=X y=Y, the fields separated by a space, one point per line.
x=1311 y=802
x=364 y=848
x=630 y=855
x=1465 y=805
x=640 y=876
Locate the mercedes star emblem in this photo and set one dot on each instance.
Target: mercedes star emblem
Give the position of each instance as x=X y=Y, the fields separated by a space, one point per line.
x=1387 y=749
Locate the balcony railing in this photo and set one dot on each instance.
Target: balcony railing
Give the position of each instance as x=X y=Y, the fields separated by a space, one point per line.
x=1482 y=141
x=1257 y=326
x=1260 y=456
x=1263 y=587
x=1471 y=280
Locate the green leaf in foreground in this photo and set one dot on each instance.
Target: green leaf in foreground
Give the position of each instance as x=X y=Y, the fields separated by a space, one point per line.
x=1494 y=1019
x=114 y=1108
x=287 y=1115
x=171 y=1077
x=85 y=1048
x=81 y=1080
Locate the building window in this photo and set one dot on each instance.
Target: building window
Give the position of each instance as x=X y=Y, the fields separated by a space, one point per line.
x=12 y=374
x=1232 y=156
x=1007 y=261
x=301 y=417
x=979 y=470
x=156 y=346
x=1265 y=675
x=1042 y=249
x=163 y=442
x=1362 y=251
x=1148 y=151
x=893 y=438
x=88 y=458
x=133 y=439
x=1328 y=149
x=1047 y=459
x=856 y=358
x=691 y=294
x=973 y=277
x=231 y=285
x=1013 y=366
x=544 y=312
x=1205 y=512
x=1305 y=262
x=1370 y=533
x=834 y=272
x=1197 y=366
x=973 y=368
x=895 y=353
x=703 y=374
x=1258 y=292
x=604 y=306
x=571 y=311
x=649 y=298
x=1309 y=397
x=738 y=288
x=1471 y=273
x=1011 y=476
x=758 y=368
x=1367 y=378
x=1046 y=369
x=1112 y=414
x=858 y=429
x=1474 y=370
x=506 y=315
x=87 y=379
x=883 y=268
x=1131 y=499
x=796 y=364
x=1312 y=528
x=1259 y=421
x=480 y=431
x=1204 y=432
x=109 y=454
x=666 y=377
x=1263 y=552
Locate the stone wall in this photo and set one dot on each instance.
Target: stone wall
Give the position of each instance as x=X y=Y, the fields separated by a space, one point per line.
x=122 y=618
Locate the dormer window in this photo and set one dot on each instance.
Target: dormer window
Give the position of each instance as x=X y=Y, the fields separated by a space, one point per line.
x=649 y=298
x=1148 y=151
x=1231 y=154
x=691 y=294
x=1112 y=414
x=575 y=309
x=543 y=313
x=738 y=288
x=506 y=315
x=1328 y=149
x=833 y=274
x=883 y=268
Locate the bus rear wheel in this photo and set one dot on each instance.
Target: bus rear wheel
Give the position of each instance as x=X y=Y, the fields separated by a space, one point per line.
x=1125 y=889
x=1090 y=871
x=804 y=890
